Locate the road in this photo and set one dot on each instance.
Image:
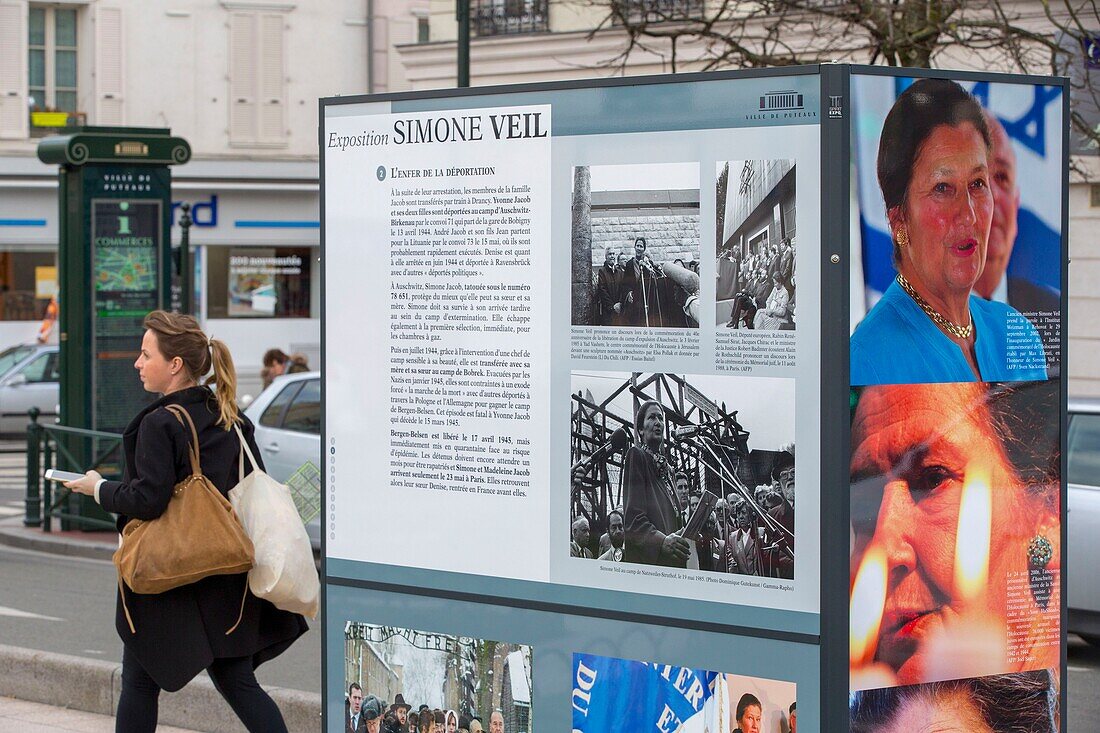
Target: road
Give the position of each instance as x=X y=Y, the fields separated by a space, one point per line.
x=67 y=605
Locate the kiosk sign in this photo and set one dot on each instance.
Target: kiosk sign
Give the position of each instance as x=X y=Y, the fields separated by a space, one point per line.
x=126 y=237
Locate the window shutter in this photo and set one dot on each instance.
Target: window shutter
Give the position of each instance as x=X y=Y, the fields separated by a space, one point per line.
x=108 y=66
x=243 y=77
x=272 y=86
x=13 y=72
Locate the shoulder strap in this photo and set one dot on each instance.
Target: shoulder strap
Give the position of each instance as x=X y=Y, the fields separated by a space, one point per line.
x=185 y=420
x=245 y=451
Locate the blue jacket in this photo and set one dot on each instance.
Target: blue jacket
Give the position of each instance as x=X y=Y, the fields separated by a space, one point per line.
x=897 y=343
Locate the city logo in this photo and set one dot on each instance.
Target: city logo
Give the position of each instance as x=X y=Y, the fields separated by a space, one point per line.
x=836 y=107
x=784 y=100
x=124 y=221
x=782 y=104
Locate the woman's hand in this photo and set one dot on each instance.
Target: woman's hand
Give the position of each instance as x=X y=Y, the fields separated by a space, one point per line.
x=85 y=485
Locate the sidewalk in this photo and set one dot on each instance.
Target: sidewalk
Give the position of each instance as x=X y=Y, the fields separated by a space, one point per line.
x=18 y=716
x=31 y=679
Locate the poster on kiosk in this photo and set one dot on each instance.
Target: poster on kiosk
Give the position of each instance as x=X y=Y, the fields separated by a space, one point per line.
x=956 y=352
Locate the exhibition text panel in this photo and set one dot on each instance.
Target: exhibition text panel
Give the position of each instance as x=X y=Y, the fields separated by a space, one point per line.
x=582 y=358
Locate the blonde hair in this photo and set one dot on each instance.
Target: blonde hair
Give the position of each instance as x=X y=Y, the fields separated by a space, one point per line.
x=180 y=335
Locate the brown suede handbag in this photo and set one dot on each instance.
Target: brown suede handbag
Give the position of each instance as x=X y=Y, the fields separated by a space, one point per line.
x=198 y=535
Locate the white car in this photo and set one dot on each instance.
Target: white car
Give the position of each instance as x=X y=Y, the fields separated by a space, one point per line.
x=29 y=377
x=1083 y=477
x=287 y=416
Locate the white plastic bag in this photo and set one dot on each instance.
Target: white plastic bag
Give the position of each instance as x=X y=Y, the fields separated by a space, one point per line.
x=283 y=572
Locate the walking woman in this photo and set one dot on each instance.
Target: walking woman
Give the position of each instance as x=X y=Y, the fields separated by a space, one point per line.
x=176 y=634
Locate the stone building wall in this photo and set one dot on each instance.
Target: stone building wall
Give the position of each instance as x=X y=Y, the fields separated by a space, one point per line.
x=668 y=237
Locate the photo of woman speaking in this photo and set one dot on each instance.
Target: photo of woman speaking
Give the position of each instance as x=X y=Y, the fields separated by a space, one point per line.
x=934 y=172
x=956 y=551
x=651 y=508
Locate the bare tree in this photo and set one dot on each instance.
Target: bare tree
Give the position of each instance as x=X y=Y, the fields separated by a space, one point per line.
x=1024 y=36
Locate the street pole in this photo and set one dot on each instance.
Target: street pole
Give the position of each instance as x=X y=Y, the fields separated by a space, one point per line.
x=184 y=259
x=462 y=14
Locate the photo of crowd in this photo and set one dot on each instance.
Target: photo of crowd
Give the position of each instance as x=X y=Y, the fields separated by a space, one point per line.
x=636 y=246
x=956 y=556
x=612 y=695
x=662 y=472
x=406 y=681
x=960 y=223
x=756 y=235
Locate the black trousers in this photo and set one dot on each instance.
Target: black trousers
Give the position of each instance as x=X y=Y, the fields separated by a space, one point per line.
x=234 y=678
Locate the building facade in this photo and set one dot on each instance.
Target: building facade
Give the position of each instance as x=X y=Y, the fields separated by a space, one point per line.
x=240 y=80
x=522 y=41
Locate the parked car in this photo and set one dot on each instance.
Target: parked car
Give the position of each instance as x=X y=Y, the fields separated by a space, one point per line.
x=1083 y=477
x=287 y=416
x=29 y=377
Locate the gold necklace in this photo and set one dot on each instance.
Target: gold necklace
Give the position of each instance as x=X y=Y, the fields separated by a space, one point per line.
x=959 y=332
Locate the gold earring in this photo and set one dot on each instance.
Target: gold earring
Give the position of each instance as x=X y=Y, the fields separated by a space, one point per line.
x=902 y=237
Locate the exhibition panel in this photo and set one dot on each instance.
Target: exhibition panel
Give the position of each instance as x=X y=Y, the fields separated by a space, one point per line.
x=588 y=345
x=531 y=277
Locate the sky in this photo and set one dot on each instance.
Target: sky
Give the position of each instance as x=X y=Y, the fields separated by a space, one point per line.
x=645 y=177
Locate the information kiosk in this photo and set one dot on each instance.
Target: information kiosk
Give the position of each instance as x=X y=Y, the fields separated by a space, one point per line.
x=114 y=261
x=707 y=402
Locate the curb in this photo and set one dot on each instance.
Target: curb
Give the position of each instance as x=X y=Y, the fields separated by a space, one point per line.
x=93 y=686
x=14 y=534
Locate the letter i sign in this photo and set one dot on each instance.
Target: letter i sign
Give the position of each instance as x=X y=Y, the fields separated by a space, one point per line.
x=124 y=221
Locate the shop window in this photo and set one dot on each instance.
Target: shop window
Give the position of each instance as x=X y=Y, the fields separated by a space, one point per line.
x=258 y=282
x=27 y=281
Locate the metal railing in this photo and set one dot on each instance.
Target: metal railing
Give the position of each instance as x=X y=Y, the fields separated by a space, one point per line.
x=70 y=449
x=508 y=17
x=637 y=12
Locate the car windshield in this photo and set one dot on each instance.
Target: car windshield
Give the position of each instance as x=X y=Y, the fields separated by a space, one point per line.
x=11 y=356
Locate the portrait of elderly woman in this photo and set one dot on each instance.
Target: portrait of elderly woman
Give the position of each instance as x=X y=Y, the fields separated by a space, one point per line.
x=1026 y=702
x=955 y=516
x=934 y=170
x=651 y=509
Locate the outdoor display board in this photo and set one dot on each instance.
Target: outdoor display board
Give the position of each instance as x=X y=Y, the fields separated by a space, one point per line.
x=585 y=355
x=956 y=493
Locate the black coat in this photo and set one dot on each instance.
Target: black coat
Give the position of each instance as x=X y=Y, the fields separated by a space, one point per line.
x=181 y=631
x=651 y=511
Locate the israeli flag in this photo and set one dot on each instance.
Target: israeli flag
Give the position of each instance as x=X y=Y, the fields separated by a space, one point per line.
x=624 y=696
x=1031 y=115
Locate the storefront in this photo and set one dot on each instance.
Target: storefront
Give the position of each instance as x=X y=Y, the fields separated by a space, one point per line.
x=254 y=243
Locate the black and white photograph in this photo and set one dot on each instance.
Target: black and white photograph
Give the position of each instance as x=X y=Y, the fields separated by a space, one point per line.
x=686 y=471
x=636 y=247
x=399 y=680
x=756 y=243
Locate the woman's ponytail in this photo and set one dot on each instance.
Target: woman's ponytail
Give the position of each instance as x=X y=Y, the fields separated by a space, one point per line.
x=224 y=379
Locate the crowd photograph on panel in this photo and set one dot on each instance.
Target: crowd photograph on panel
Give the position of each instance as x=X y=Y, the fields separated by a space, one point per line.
x=662 y=472
x=756 y=239
x=613 y=695
x=401 y=680
x=635 y=245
